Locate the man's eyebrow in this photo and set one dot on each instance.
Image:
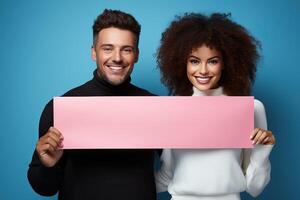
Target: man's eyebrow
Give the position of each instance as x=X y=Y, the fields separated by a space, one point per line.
x=106 y=45
x=127 y=46
x=111 y=45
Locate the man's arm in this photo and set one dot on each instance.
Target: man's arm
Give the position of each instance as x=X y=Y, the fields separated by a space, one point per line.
x=46 y=180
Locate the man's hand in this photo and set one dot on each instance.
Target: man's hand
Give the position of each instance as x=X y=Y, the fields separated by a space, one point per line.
x=49 y=147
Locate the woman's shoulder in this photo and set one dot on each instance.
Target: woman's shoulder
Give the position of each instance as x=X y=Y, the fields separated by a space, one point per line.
x=260 y=118
x=258 y=105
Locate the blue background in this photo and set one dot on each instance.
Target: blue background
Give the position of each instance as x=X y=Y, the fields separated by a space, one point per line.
x=45 y=51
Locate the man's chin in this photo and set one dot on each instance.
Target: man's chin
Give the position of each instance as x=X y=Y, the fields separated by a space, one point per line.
x=113 y=79
x=116 y=81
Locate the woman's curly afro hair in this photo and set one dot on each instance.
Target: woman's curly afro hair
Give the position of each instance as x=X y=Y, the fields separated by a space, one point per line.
x=188 y=32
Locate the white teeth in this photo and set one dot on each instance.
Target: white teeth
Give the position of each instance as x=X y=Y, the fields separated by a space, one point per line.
x=203 y=80
x=115 y=68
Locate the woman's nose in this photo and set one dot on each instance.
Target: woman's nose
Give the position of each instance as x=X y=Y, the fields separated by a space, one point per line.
x=203 y=69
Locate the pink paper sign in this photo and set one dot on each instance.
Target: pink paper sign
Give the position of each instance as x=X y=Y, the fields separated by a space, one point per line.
x=154 y=122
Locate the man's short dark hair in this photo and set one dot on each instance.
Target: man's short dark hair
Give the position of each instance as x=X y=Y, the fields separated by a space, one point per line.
x=118 y=19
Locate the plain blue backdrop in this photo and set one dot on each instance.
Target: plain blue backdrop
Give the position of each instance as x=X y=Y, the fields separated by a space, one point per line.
x=45 y=51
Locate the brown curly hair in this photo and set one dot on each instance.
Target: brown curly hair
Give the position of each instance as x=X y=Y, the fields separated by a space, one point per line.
x=190 y=31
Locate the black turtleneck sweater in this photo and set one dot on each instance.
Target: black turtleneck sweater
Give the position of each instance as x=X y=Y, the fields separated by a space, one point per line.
x=95 y=174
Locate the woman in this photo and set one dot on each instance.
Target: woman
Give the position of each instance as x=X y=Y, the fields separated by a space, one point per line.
x=212 y=55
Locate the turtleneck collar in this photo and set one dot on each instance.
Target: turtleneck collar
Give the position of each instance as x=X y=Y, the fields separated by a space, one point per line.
x=107 y=86
x=213 y=92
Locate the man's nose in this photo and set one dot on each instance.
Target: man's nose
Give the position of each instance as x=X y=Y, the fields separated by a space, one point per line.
x=116 y=56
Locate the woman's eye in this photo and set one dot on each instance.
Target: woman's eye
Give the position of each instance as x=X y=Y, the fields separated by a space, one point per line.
x=194 y=61
x=213 y=62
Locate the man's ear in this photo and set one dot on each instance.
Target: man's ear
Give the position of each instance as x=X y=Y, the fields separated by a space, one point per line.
x=93 y=53
x=137 y=55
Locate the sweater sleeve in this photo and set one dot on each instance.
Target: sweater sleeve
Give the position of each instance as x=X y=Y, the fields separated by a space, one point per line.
x=165 y=173
x=45 y=180
x=256 y=162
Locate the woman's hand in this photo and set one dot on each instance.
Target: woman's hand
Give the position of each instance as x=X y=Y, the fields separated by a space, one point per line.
x=261 y=136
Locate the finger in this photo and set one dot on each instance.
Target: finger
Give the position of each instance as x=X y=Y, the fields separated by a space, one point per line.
x=55 y=137
x=55 y=144
x=56 y=131
x=253 y=133
x=271 y=139
x=256 y=137
x=50 y=138
x=263 y=136
x=50 y=131
x=266 y=140
x=45 y=149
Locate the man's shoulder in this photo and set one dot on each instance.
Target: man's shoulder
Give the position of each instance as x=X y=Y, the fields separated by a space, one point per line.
x=81 y=90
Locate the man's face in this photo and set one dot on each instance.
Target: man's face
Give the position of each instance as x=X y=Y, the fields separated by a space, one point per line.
x=115 y=53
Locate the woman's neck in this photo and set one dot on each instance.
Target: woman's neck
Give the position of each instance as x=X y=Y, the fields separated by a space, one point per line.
x=212 y=92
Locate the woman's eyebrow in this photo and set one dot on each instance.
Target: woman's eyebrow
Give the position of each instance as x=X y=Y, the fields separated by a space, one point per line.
x=192 y=56
x=214 y=57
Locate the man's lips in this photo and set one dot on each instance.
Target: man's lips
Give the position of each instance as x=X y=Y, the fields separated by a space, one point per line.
x=115 y=68
x=203 y=79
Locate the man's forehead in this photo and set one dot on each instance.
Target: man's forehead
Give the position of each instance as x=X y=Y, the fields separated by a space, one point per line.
x=116 y=37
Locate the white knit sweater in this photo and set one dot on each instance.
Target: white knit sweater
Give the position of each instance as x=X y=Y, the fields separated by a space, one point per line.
x=213 y=174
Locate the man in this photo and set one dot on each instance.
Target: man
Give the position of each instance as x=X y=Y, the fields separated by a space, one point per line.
x=97 y=174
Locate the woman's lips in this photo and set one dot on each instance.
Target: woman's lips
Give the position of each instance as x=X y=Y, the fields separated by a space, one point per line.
x=203 y=79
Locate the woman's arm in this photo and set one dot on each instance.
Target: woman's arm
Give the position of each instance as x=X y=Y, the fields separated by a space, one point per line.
x=164 y=175
x=256 y=162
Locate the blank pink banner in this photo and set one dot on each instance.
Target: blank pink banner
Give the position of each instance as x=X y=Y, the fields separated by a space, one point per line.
x=154 y=122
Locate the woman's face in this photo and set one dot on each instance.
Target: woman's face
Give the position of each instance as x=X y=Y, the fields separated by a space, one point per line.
x=204 y=68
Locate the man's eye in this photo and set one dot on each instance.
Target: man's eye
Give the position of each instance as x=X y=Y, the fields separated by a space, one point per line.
x=127 y=50
x=107 y=49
